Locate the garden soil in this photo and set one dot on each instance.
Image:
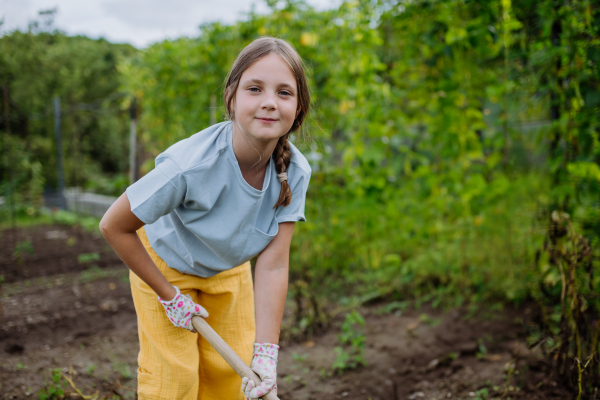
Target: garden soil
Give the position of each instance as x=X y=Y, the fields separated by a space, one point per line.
x=73 y=316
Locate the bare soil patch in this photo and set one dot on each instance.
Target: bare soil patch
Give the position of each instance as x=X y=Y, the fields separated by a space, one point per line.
x=61 y=314
x=55 y=251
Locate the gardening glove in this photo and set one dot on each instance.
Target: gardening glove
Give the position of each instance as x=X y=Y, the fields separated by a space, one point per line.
x=264 y=363
x=181 y=309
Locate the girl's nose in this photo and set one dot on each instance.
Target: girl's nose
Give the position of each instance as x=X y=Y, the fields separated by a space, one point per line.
x=269 y=102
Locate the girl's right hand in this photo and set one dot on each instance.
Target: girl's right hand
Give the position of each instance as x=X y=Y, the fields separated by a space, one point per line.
x=181 y=309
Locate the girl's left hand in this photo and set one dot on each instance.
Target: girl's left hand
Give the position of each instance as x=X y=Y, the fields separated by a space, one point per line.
x=264 y=364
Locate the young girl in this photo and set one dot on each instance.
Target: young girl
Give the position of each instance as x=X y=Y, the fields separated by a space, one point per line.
x=188 y=229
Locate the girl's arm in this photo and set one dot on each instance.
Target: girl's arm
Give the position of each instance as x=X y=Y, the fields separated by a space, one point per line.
x=271 y=284
x=119 y=226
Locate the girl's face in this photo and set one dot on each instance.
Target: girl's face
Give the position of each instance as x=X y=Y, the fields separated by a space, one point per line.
x=266 y=101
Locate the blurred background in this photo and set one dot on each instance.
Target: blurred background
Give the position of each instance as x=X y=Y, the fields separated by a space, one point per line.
x=455 y=154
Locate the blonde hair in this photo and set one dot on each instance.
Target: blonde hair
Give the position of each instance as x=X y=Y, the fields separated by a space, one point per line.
x=248 y=56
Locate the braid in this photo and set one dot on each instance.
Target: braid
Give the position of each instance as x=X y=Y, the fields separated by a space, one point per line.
x=282 y=156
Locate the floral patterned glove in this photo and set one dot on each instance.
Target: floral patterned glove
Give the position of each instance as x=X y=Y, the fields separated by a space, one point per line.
x=264 y=364
x=181 y=309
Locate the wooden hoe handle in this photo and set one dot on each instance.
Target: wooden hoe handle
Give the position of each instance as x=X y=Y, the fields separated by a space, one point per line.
x=229 y=355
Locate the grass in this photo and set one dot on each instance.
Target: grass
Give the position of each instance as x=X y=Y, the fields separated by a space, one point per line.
x=24 y=221
x=29 y=217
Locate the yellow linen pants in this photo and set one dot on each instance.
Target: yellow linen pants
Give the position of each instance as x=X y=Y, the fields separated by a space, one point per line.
x=177 y=364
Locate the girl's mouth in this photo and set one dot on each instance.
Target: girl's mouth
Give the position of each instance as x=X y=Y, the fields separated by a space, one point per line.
x=267 y=120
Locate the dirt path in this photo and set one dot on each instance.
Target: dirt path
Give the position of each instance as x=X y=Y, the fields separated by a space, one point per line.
x=79 y=319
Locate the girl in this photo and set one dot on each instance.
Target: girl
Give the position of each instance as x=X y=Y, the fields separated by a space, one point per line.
x=188 y=229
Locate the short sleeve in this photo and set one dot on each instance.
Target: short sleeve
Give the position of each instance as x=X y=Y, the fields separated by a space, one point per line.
x=295 y=210
x=159 y=192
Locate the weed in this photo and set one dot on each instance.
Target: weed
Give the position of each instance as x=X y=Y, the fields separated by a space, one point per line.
x=309 y=314
x=482 y=394
x=351 y=354
x=325 y=374
x=430 y=321
x=569 y=304
x=86 y=258
x=482 y=350
x=93 y=273
x=20 y=366
x=299 y=357
x=123 y=369
x=21 y=248
x=391 y=307
x=90 y=368
x=55 y=389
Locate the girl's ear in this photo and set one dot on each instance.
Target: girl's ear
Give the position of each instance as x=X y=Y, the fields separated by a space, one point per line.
x=298 y=112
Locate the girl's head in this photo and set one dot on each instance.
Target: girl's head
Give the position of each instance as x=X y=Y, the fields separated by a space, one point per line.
x=266 y=94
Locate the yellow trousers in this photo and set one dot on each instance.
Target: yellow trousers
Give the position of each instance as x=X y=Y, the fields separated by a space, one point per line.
x=177 y=364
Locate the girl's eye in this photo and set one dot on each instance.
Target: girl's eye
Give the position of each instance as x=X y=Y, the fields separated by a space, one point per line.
x=254 y=89
x=285 y=93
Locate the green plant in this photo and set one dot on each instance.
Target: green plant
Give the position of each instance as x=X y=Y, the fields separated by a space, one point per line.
x=20 y=366
x=299 y=357
x=430 y=321
x=482 y=394
x=64 y=217
x=85 y=258
x=90 y=368
x=397 y=306
x=309 y=314
x=351 y=352
x=123 y=369
x=21 y=248
x=55 y=388
x=482 y=350
x=569 y=304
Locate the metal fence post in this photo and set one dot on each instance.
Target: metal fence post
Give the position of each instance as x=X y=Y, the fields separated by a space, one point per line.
x=59 y=155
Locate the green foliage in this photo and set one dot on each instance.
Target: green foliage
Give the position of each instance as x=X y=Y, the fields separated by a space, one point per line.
x=20 y=366
x=21 y=248
x=110 y=186
x=568 y=291
x=123 y=369
x=414 y=187
x=69 y=218
x=64 y=217
x=426 y=319
x=86 y=258
x=482 y=394
x=394 y=306
x=90 y=368
x=309 y=315
x=351 y=352
x=38 y=65
x=299 y=357
x=55 y=388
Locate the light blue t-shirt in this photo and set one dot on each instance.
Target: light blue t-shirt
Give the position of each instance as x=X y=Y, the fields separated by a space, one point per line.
x=201 y=216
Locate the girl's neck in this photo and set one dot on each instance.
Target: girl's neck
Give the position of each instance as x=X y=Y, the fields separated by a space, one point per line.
x=252 y=155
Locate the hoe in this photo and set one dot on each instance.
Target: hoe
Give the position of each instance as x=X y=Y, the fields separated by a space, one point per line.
x=229 y=355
